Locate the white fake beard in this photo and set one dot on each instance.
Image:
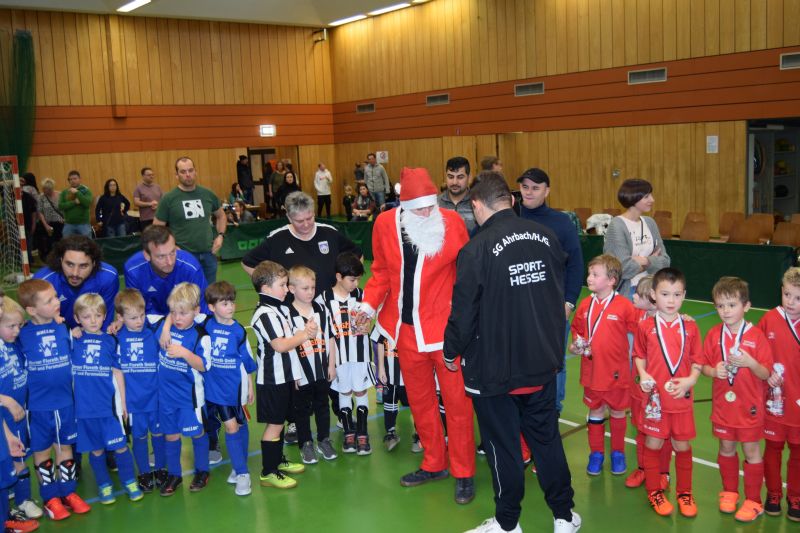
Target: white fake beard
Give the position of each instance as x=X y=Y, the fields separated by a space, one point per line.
x=426 y=234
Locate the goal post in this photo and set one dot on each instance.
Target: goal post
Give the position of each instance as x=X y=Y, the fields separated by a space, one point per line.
x=14 y=266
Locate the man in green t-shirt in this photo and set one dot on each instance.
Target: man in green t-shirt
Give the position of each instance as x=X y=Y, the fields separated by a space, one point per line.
x=189 y=211
x=75 y=203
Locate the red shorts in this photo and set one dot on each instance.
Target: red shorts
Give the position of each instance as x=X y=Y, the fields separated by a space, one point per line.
x=637 y=411
x=737 y=434
x=778 y=432
x=616 y=399
x=677 y=426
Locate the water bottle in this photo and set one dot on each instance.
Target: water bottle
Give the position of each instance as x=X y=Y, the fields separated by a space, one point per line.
x=775 y=397
x=652 y=409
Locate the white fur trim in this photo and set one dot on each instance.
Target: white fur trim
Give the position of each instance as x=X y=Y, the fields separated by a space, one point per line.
x=418 y=203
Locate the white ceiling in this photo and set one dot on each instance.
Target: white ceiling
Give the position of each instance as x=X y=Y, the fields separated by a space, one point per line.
x=284 y=12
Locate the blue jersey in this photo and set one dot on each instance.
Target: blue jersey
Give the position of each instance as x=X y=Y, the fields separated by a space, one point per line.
x=104 y=282
x=138 y=359
x=231 y=361
x=94 y=356
x=155 y=289
x=180 y=385
x=13 y=375
x=46 y=351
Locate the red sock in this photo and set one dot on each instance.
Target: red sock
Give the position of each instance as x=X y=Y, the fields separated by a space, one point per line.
x=773 y=457
x=729 y=471
x=793 y=471
x=596 y=429
x=683 y=471
x=666 y=457
x=753 y=481
x=618 y=428
x=640 y=449
x=526 y=451
x=652 y=477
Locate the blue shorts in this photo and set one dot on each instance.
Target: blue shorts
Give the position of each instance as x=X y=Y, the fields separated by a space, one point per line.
x=186 y=421
x=52 y=427
x=107 y=433
x=141 y=423
x=225 y=412
x=19 y=430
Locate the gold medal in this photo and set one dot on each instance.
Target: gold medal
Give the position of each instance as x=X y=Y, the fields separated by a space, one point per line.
x=730 y=396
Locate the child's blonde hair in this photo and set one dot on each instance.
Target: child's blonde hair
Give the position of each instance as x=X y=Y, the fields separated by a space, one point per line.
x=90 y=301
x=644 y=287
x=792 y=277
x=612 y=265
x=129 y=300
x=732 y=287
x=184 y=296
x=348 y=189
x=10 y=307
x=301 y=272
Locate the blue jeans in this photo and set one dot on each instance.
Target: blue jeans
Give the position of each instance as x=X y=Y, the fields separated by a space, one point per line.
x=379 y=197
x=561 y=377
x=77 y=229
x=208 y=262
x=117 y=230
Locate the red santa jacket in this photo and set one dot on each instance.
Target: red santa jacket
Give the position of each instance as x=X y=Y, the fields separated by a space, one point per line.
x=433 y=288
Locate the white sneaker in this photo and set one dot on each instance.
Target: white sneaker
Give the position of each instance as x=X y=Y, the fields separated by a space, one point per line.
x=490 y=525
x=232 y=477
x=214 y=457
x=243 y=485
x=562 y=526
x=30 y=509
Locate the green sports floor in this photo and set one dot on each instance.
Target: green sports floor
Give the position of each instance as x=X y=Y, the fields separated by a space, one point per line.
x=355 y=494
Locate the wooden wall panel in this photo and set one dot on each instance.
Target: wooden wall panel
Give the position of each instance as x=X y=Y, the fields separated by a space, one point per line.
x=457 y=43
x=171 y=62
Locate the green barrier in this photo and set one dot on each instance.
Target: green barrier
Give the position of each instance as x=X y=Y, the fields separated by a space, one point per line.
x=704 y=263
x=117 y=250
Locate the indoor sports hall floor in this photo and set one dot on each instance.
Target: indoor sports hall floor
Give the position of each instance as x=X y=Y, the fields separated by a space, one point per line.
x=354 y=494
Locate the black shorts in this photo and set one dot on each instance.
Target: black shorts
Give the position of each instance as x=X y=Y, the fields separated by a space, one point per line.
x=274 y=403
x=225 y=412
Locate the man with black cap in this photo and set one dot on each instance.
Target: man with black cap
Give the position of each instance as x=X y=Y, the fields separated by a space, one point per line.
x=534 y=186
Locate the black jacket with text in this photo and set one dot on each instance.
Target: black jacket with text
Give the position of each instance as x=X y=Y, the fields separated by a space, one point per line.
x=507 y=319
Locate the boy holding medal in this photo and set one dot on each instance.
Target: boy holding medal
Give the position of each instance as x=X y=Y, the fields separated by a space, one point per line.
x=600 y=331
x=738 y=357
x=782 y=425
x=668 y=356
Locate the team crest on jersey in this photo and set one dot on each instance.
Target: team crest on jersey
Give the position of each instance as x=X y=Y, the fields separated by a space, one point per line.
x=90 y=353
x=323 y=247
x=771 y=335
x=220 y=346
x=48 y=346
x=193 y=209
x=135 y=350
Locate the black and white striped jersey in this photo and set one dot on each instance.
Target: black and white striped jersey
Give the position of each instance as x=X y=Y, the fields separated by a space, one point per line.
x=391 y=363
x=350 y=348
x=313 y=353
x=271 y=321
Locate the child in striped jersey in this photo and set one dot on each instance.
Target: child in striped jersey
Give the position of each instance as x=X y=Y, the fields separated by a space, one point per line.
x=317 y=360
x=354 y=371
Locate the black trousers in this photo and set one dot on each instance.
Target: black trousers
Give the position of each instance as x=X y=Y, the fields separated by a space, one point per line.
x=501 y=420
x=312 y=399
x=324 y=200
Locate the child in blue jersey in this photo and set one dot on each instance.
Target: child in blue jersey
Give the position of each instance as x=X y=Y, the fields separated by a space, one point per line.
x=11 y=448
x=138 y=358
x=226 y=382
x=14 y=397
x=46 y=347
x=181 y=395
x=100 y=399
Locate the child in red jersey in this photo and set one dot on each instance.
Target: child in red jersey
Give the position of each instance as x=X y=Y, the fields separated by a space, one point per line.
x=646 y=307
x=782 y=425
x=600 y=329
x=668 y=355
x=738 y=357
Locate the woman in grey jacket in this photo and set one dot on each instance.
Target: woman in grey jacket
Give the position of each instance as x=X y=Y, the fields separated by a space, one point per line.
x=633 y=238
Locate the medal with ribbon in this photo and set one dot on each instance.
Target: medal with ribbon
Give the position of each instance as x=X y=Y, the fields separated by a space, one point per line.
x=671 y=367
x=737 y=341
x=789 y=325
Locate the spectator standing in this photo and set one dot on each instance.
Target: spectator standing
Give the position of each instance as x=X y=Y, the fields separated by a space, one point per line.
x=50 y=217
x=244 y=177
x=288 y=187
x=456 y=196
x=189 y=210
x=75 y=202
x=358 y=171
x=275 y=182
x=377 y=180
x=111 y=210
x=322 y=183
x=146 y=197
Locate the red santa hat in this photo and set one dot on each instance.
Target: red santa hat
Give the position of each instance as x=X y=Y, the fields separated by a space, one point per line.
x=417 y=189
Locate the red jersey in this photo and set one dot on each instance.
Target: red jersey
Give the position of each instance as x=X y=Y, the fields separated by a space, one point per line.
x=636 y=391
x=669 y=350
x=606 y=324
x=784 y=339
x=739 y=401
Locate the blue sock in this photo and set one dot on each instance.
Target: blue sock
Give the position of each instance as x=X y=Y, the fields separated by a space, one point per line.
x=244 y=440
x=4 y=503
x=173 y=453
x=200 y=445
x=100 y=470
x=159 y=451
x=140 y=453
x=125 y=466
x=67 y=484
x=22 y=490
x=48 y=488
x=238 y=459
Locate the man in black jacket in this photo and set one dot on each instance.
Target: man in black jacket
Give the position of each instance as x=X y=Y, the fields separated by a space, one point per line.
x=511 y=341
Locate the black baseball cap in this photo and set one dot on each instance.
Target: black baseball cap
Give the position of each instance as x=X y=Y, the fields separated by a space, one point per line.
x=536 y=175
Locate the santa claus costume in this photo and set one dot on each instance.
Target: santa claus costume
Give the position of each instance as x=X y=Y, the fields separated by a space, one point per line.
x=415 y=248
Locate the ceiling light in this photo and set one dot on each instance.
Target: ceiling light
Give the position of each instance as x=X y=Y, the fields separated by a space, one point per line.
x=383 y=10
x=130 y=6
x=418 y=1
x=267 y=130
x=347 y=20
